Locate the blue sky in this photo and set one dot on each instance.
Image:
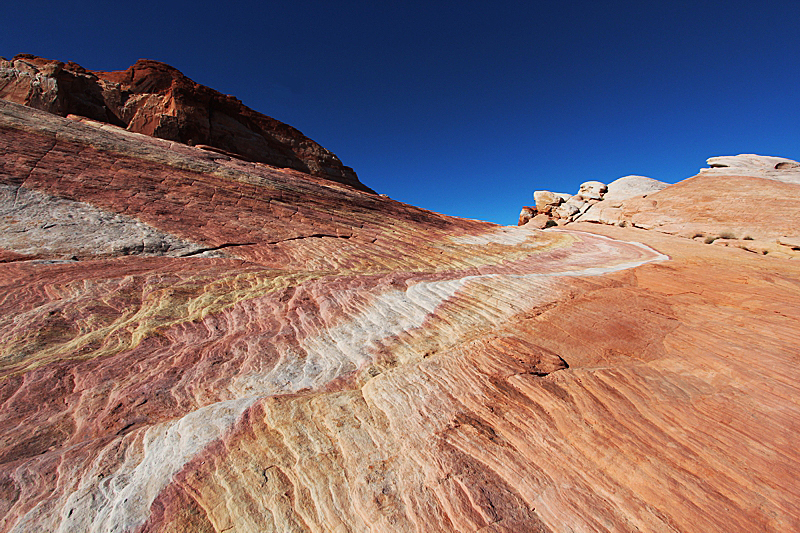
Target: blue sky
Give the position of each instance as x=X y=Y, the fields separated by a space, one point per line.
x=467 y=108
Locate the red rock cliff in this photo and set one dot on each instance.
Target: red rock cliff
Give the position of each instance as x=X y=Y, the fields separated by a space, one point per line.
x=156 y=99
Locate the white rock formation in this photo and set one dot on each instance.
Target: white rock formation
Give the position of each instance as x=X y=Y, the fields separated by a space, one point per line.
x=626 y=187
x=759 y=166
x=546 y=201
x=592 y=190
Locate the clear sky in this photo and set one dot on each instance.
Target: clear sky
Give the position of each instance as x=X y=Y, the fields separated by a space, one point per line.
x=466 y=108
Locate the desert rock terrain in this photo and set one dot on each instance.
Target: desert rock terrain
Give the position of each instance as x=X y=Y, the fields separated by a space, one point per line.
x=156 y=99
x=195 y=341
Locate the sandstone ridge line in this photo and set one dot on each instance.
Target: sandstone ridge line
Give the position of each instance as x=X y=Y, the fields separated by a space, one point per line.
x=195 y=340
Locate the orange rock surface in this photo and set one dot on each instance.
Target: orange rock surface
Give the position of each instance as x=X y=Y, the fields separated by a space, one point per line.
x=286 y=353
x=739 y=205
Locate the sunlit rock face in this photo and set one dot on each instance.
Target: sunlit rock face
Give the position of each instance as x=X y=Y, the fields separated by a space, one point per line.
x=193 y=342
x=738 y=196
x=745 y=201
x=155 y=99
x=754 y=165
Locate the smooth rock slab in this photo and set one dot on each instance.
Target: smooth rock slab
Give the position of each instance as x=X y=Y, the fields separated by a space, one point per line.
x=791 y=242
x=760 y=166
x=364 y=365
x=626 y=187
x=35 y=223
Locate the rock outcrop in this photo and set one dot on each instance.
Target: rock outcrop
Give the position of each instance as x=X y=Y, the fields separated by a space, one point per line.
x=526 y=214
x=758 y=166
x=591 y=190
x=745 y=201
x=156 y=99
x=281 y=352
x=589 y=204
x=627 y=187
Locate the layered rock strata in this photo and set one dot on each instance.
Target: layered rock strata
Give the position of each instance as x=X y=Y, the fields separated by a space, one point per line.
x=156 y=99
x=291 y=354
x=745 y=201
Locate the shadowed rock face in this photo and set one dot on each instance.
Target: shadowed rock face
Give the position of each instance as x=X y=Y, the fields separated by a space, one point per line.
x=210 y=344
x=156 y=99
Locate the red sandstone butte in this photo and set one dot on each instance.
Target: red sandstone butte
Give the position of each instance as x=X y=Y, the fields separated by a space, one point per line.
x=194 y=342
x=153 y=98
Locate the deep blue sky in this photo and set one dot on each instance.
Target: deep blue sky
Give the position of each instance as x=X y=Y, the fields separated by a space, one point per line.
x=467 y=108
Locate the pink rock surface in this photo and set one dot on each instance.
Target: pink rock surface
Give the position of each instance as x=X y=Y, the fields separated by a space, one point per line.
x=286 y=353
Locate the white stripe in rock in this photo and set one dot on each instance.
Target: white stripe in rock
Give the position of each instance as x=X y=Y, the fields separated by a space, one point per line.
x=121 y=502
x=344 y=348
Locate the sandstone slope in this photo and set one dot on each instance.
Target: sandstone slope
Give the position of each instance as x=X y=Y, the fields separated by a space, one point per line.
x=746 y=201
x=153 y=98
x=192 y=342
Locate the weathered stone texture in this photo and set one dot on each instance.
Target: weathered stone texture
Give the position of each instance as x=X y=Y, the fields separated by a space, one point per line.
x=747 y=201
x=351 y=363
x=156 y=99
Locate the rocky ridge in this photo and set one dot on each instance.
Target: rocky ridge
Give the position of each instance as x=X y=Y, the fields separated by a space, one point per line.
x=194 y=342
x=155 y=99
x=734 y=202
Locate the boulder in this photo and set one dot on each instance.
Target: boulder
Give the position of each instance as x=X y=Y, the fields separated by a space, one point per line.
x=626 y=187
x=540 y=221
x=546 y=201
x=564 y=196
x=592 y=190
x=526 y=214
x=567 y=210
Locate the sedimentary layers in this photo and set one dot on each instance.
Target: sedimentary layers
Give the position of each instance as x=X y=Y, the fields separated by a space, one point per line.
x=209 y=344
x=746 y=201
x=155 y=99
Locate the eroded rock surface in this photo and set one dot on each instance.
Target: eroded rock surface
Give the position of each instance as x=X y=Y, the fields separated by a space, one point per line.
x=745 y=201
x=351 y=363
x=627 y=187
x=37 y=224
x=759 y=166
x=156 y=99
